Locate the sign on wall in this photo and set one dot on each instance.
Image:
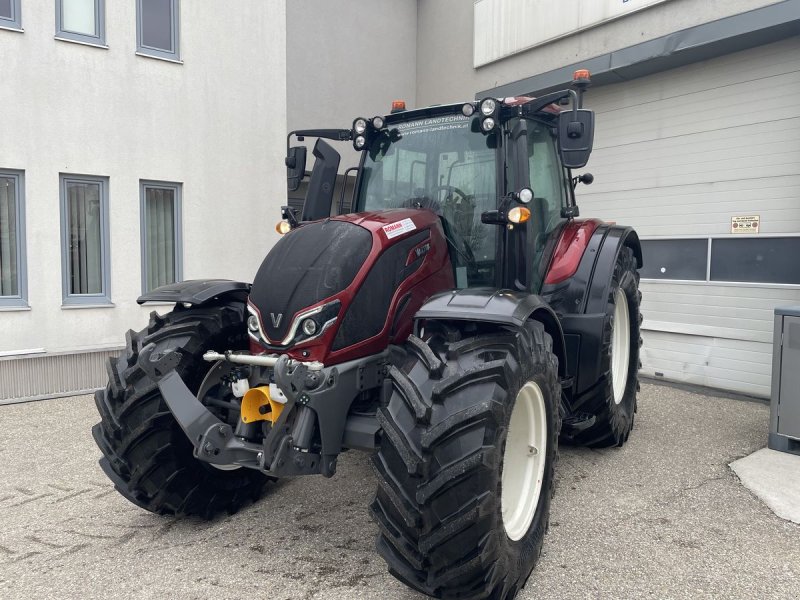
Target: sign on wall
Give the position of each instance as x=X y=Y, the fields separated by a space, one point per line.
x=505 y=27
x=745 y=224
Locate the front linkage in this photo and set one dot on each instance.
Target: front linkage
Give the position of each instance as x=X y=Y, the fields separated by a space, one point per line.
x=317 y=399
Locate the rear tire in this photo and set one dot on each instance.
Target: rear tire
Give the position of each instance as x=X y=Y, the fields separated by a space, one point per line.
x=613 y=400
x=440 y=502
x=145 y=452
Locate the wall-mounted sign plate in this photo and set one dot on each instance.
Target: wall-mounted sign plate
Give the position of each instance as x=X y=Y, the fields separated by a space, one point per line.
x=745 y=223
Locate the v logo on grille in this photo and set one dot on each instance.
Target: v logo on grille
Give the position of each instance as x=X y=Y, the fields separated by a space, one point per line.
x=276 y=319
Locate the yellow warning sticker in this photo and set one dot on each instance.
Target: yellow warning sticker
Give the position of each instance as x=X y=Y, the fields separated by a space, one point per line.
x=745 y=224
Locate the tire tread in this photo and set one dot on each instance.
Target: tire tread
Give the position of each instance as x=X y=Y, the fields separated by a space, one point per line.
x=426 y=528
x=145 y=453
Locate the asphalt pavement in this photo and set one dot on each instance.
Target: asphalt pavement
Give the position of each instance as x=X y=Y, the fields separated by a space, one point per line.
x=663 y=517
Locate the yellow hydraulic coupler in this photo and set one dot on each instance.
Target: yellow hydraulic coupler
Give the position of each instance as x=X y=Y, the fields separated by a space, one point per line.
x=258 y=406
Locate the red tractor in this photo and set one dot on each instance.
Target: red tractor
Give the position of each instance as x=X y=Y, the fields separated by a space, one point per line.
x=456 y=325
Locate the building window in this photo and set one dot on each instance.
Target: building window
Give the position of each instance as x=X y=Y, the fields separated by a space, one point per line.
x=675 y=259
x=81 y=21
x=765 y=260
x=85 y=244
x=13 y=290
x=162 y=247
x=10 y=14
x=756 y=260
x=157 y=28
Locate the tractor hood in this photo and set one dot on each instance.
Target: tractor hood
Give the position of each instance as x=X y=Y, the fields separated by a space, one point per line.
x=307 y=265
x=330 y=285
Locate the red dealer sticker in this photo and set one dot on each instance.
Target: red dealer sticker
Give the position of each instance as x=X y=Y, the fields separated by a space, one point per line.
x=392 y=230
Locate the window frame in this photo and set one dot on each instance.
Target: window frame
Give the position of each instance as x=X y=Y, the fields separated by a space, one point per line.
x=71 y=36
x=20 y=300
x=149 y=51
x=703 y=278
x=15 y=23
x=744 y=265
x=85 y=300
x=177 y=187
x=708 y=281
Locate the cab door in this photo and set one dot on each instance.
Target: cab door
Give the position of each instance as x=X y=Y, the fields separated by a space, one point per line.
x=534 y=242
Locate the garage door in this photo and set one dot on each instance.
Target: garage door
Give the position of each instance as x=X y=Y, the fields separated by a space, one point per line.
x=687 y=157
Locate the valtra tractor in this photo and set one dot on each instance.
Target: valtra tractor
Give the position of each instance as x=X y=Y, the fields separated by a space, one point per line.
x=457 y=324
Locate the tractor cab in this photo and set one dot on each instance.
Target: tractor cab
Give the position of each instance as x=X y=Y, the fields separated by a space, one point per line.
x=497 y=173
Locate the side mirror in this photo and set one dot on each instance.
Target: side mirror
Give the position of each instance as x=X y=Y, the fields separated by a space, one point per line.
x=575 y=137
x=295 y=167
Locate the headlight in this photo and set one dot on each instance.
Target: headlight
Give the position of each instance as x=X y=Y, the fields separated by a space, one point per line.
x=309 y=327
x=378 y=122
x=359 y=126
x=360 y=142
x=525 y=195
x=252 y=323
x=488 y=106
x=519 y=214
x=468 y=109
x=488 y=124
x=309 y=324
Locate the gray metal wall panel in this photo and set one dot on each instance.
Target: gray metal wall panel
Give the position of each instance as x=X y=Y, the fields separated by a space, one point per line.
x=50 y=376
x=679 y=153
x=789 y=404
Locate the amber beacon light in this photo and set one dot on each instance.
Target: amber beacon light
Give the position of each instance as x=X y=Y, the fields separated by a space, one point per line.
x=582 y=76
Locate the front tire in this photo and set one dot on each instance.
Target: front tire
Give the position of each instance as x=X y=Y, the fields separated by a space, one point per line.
x=145 y=452
x=464 y=485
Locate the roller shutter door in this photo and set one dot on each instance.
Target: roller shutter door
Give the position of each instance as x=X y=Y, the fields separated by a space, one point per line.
x=677 y=155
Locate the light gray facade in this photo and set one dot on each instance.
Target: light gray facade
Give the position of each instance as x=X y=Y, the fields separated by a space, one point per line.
x=698 y=122
x=348 y=59
x=206 y=122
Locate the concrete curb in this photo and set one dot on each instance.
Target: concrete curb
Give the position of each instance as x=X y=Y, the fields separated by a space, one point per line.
x=775 y=478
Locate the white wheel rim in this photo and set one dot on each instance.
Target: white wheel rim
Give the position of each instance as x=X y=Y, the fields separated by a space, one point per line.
x=523 y=461
x=620 y=345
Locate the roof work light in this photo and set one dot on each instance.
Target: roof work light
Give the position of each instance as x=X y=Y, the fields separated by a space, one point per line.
x=489 y=109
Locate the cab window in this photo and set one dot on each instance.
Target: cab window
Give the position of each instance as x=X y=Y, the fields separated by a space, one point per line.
x=547 y=177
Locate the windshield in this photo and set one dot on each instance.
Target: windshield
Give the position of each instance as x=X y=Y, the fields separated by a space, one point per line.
x=440 y=164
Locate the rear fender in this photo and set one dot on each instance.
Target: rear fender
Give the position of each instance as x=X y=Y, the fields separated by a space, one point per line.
x=197 y=292
x=503 y=307
x=581 y=300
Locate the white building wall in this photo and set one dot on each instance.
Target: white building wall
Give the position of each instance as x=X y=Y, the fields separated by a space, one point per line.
x=216 y=123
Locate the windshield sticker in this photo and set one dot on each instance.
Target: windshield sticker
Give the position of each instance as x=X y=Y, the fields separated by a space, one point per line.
x=445 y=123
x=392 y=230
